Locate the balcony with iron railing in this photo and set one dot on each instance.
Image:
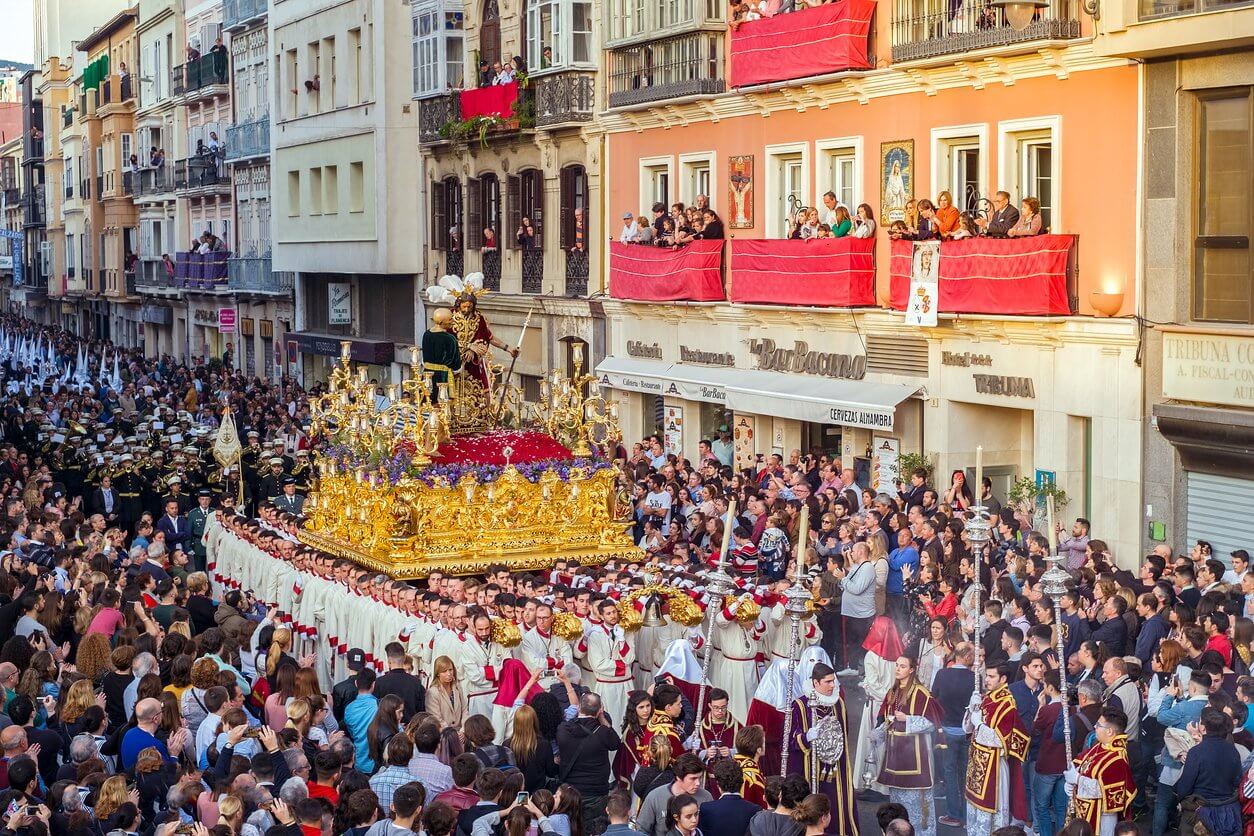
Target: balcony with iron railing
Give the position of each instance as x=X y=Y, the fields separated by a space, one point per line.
x=924 y=29
x=153 y=181
x=33 y=145
x=248 y=139
x=236 y=14
x=1036 y=276
x=687 y=65
x=34 y=208
x=151 y=274
x=116 y=90
x=532 y=270
x=562 y=98
x=207 y=75
x=255 y=274
x=476 y=115
x=201 y=271
x=204 y=172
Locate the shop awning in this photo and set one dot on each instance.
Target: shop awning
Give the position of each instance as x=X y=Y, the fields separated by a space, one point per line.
x=375 y=352
x=851 y=403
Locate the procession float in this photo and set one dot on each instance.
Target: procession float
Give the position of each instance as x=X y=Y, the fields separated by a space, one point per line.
x=452 y=471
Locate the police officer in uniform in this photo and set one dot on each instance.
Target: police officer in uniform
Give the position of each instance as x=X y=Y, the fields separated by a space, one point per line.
x=196 y=519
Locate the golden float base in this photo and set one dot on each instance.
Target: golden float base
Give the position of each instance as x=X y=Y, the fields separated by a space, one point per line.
x=411 y=529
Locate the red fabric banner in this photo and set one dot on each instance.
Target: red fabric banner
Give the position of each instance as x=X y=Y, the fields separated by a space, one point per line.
x=1020 y=276
x=691 y=273
x=827 y=39
x=832 y=272
x=497 y=100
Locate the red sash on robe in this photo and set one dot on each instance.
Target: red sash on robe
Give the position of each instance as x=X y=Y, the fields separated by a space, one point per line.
x=999 y=713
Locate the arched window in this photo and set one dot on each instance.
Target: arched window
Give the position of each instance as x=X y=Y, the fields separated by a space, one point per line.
x=490 y=34
x=574 y=208
x=447 y=233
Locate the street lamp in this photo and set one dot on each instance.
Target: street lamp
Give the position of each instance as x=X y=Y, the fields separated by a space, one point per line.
x=1019 y=13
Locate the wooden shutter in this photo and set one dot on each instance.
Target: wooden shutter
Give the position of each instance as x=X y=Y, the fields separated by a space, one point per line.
x=533 y=203
x=513 y=212
x=439 y=226
x=567 y=236
x=474 y=213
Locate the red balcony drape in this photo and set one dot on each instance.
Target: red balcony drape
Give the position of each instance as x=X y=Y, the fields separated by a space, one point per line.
x=1018 y=276
x=835 y=272
x=827 y=39
x=691 y=273
x=497 y=100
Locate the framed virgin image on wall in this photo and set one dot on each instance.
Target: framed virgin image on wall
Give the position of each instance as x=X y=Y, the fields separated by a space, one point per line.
x=740 y=191
x=896 y=179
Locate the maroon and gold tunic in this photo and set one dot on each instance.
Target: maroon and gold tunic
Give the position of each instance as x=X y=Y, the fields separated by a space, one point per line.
x=907 y=755
x=999 y=713
x=1109 y=767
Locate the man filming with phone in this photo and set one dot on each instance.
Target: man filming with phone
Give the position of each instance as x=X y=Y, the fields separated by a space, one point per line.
x=585 y=745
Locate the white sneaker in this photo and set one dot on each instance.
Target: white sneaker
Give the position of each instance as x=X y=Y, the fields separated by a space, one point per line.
x=848 y=672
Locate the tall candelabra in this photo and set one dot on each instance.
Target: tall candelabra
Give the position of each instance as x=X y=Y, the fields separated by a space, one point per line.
x=796 y=607
x=349 y=413
x=718 y=586
x=574 y=417
x=979 y=533
x=1054 y=584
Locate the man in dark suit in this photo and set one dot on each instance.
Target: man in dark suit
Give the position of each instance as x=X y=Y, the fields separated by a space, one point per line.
x=345 y=691
x=1003 y=218
x=197 y=519
x=730 y=813
x=289 y=500
x=932 y=544
x=104 y=501
x=176 y=528
x=401 y=682
x=1187 y=592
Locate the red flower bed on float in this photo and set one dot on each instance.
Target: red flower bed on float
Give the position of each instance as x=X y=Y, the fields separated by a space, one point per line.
x=489 y=448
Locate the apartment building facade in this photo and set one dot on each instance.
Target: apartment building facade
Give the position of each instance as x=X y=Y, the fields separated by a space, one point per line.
x=1197 y=111
x=345 y=217
x=512 y=172
x=779 y=351
x=160 y=141
x=30 y=294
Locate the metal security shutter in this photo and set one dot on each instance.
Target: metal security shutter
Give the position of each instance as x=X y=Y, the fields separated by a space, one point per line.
x=1219 y=511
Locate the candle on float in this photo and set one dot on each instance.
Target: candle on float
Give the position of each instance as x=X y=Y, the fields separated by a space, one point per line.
x=1049 y=521
x=727 y=529
x=979 y=475
x=803 y=539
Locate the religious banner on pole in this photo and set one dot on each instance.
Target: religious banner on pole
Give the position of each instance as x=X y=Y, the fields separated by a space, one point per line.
x=924 y=296
x=743 y=443
x=673 y=430
x=885 y=466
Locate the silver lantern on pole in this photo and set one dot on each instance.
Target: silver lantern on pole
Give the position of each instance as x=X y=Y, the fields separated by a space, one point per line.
x=796 y=607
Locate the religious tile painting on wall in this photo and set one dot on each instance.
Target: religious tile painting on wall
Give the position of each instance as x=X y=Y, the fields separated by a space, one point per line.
x=896 y=179
x=740 y=191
